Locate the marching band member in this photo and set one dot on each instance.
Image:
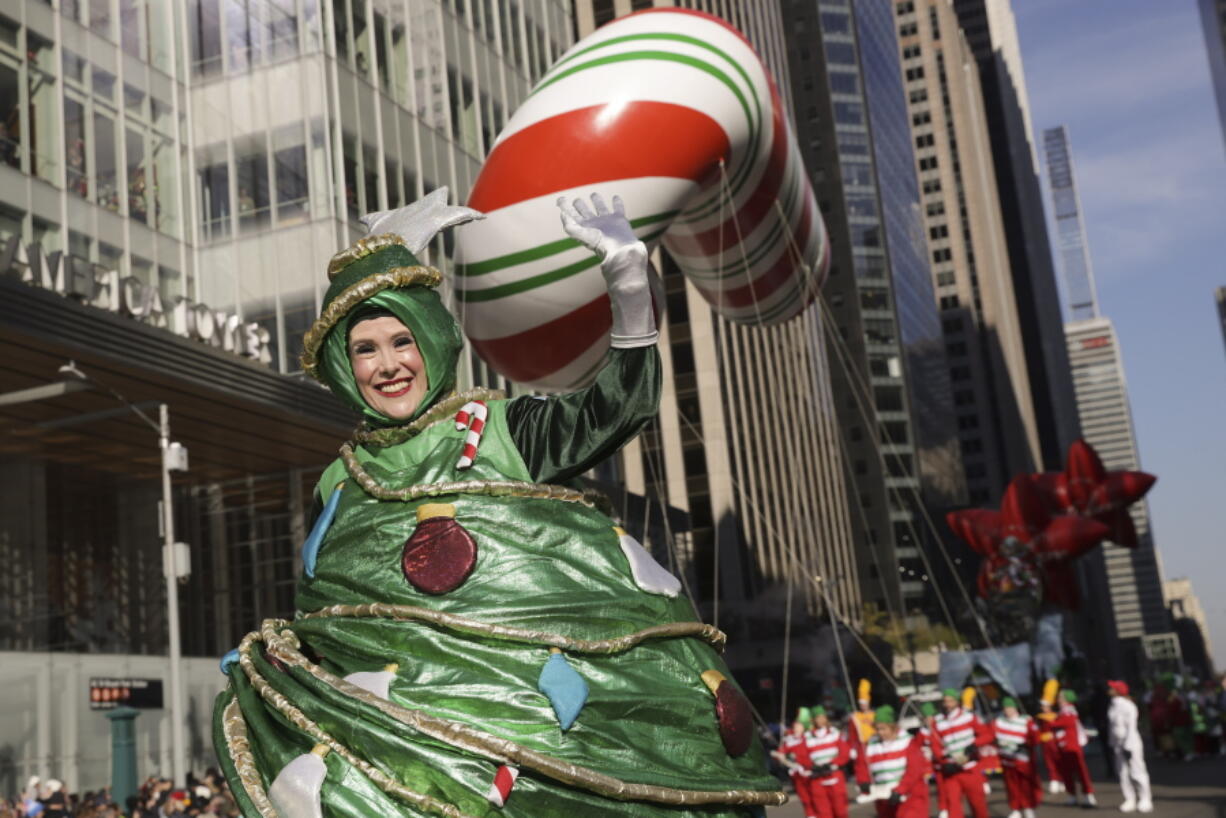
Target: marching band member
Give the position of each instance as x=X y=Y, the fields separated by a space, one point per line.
x=1047 y=736
x=959 y=733
x=1017 y=743
x=828 y=752
x=894 y=760
x=1072 y=738
x=793 y=753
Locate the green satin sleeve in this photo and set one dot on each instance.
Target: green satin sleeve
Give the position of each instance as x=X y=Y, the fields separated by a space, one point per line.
x=562 y=436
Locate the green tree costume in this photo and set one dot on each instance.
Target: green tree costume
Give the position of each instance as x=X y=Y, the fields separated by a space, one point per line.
x=462 y=669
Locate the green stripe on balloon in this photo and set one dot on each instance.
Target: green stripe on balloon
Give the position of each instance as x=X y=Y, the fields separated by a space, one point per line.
x=478 y=268
x=536 y=281
x=755 y=127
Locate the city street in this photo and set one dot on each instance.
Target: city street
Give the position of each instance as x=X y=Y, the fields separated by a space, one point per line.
x=1195 y=789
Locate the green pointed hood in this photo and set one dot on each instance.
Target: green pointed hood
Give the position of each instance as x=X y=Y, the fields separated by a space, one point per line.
x=380 y=271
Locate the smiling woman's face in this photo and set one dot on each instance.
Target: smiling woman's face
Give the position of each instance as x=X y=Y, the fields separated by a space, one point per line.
x=387 y=366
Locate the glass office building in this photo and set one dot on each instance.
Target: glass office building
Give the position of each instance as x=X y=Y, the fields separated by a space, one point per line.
x=173 y=179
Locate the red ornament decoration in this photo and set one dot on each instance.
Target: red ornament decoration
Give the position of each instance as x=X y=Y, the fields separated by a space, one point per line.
x=440 y=554
x=732 y=713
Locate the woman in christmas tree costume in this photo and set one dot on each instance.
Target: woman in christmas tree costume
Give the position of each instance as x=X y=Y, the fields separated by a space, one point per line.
x=474 y=636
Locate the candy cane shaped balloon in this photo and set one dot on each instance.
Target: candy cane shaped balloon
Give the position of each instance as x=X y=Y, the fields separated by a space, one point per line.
x=672 y=110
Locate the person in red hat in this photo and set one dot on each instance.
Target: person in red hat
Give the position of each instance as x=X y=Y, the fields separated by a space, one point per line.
x=1125 y=741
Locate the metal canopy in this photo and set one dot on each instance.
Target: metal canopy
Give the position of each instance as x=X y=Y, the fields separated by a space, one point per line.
x=235 y=416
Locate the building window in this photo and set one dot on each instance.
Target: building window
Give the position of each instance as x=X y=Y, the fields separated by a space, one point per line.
x=879 y=331
x=925 y=140
x=968 y=422
x=928 y=163
x=603 y=12
x=911 y=52
x=932 y=186
x=251 y=178
x=940 y=231
x=922 y=118
x=106 y=193
x=75 y=149
x=935 y=209
x=908 y=30
x=888 y=398
x=907 y=7
x=916 y=73
x=945 y=278
x=972 y=445
x=10 y=114
x=918 y=95
x=942 y=254
x=205 y=31
x=960 y=373
x=975 y=471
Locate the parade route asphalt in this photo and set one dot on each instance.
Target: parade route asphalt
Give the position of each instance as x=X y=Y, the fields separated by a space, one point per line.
x=1193 y=789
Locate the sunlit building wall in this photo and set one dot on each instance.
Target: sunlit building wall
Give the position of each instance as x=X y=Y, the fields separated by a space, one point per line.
x=747 y=438
x=965 y=238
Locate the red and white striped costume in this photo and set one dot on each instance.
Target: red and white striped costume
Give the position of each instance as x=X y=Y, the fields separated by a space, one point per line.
x=828 y=793
x=794 y=747
x=1017 y=742
x=1070 y=736
x=900 y=765
x=957 y=735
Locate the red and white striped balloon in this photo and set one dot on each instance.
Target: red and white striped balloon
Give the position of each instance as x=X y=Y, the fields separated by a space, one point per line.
x=672 y=110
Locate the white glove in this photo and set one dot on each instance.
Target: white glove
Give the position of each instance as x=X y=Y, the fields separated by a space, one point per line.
x=623 y=262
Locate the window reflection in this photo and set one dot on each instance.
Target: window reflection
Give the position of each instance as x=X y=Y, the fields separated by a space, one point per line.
x=74 y=147
x=105 y=192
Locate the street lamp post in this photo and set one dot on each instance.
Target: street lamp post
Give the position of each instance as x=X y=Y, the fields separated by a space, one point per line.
x=175 y=563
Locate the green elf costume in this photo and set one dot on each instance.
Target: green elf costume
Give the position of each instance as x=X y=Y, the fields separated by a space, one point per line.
x=474 y=636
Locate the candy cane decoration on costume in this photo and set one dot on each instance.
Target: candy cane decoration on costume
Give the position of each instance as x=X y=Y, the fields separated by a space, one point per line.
x=504 y=782
x=474 y=412
x=673 y=110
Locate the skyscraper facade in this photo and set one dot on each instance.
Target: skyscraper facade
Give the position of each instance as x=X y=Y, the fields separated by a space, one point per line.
x=887 y=359
x=992 y=34
x=173 y=178
x=1213 y=20
x=747 y=438
x=1080 y=295
x=966 y=246
x=1133 y=575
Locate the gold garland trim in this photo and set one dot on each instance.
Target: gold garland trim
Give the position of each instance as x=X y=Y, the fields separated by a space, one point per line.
x=443 y=410
x=234 y=729
x=303 y=723
x=411 y=613
x=362 y=248
x=285 y=647
x=351 y=297
x=489 y=488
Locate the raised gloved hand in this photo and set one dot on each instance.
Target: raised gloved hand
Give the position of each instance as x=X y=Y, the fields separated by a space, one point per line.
x=865 y=789
x=895 y=798
x=623 y=262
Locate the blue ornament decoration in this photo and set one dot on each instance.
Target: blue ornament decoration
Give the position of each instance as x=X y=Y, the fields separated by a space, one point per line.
x=310 y=549
x=230 y=658
x=564 y=687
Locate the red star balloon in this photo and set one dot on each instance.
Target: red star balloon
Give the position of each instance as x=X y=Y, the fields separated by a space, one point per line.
x=1087 y=489
x=1023 y=541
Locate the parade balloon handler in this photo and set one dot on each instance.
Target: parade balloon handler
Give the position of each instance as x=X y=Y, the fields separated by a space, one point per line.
x=1125 y=741
x=474 y=636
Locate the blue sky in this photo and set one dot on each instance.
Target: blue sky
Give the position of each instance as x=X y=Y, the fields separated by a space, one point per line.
x=1130 y=80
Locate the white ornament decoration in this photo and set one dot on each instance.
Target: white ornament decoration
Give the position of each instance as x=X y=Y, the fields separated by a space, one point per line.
x=648 y=574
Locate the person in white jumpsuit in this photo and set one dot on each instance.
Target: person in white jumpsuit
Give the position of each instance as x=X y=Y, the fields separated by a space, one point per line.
x=1129 y=753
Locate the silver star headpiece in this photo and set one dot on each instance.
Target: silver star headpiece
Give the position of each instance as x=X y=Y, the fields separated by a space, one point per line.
x=421 y=221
